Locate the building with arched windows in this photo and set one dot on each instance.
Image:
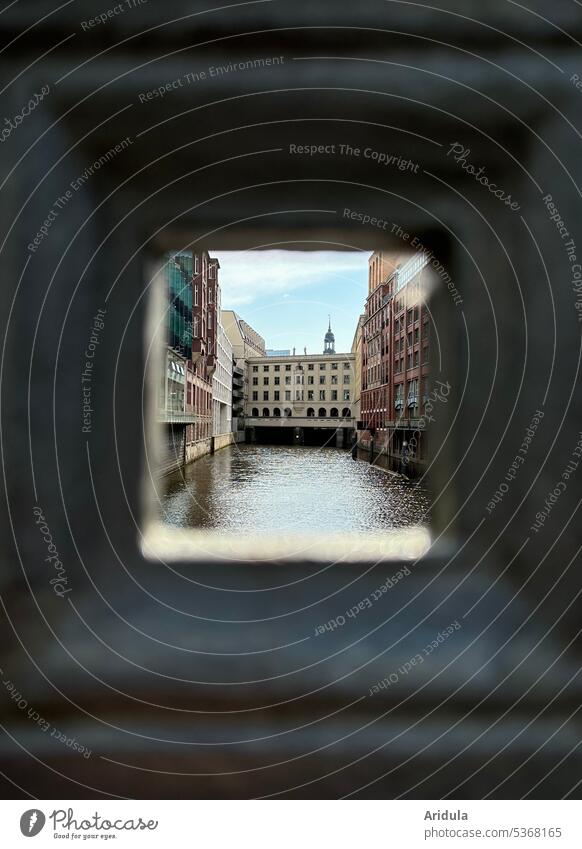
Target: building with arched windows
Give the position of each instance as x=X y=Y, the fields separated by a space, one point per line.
x=302 y=391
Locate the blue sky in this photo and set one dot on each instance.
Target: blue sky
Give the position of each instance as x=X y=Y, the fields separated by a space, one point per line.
x=287 y=295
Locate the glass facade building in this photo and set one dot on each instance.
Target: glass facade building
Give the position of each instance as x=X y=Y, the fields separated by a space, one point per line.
x=179 y=290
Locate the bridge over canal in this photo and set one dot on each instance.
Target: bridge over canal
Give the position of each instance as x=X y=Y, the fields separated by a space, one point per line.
x=301 y=430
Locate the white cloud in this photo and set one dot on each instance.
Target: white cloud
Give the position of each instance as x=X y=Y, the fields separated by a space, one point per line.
x=249 y=276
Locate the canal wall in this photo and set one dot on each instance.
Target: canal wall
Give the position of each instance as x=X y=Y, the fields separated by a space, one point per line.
x=223 y=440
x=380 y=455
x=195 y=450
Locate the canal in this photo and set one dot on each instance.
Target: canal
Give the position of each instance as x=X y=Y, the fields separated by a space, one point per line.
x=249 y=489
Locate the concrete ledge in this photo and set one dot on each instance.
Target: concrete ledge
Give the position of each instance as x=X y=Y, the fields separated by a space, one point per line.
x=161 y=542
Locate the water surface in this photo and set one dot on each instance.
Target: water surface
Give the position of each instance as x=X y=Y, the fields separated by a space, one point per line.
x=250 y=489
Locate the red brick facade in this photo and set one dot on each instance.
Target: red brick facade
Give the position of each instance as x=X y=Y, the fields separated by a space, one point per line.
x=395 y=353
x=204 y=322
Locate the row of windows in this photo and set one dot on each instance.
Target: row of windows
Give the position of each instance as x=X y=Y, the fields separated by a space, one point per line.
x=288 y=413
x=373 y=327
x=375 y=349
x=412 y=360
x=300 y=395
x=411 y=316
x=379 y=372
x=310 y=367
x=299 y=380
x=408 y=396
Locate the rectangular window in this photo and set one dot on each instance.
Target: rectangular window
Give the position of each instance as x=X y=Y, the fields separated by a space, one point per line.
x=379 y=350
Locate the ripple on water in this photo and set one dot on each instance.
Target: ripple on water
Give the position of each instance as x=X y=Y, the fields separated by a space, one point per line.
x=254 y=488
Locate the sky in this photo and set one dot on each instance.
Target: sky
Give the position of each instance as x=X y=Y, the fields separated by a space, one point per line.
x=287 y=295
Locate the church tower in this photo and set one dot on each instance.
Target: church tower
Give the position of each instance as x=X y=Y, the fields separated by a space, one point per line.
x=329 y=341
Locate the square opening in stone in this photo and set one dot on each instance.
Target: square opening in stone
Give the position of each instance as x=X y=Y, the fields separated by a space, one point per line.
x=291 y=393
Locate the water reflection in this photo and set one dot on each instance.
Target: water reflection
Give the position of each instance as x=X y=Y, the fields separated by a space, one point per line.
x=250 y=489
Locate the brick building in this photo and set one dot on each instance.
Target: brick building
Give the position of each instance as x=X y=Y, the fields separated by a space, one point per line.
x=205 y=294
x=185 y=403
x=395 y=353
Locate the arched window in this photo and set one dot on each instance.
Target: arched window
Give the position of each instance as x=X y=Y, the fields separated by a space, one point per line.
x=255 y=412
x=310 y=412
x=322 y=414
x=334 y=412
x=266 y=413
x=346 y=413
x=288 y=412
x=277 y=412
